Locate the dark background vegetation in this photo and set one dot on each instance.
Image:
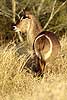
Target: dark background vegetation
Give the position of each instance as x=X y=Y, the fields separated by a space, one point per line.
x=40 y=8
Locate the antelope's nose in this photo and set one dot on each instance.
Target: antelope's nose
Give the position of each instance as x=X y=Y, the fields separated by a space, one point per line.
x=14 y=27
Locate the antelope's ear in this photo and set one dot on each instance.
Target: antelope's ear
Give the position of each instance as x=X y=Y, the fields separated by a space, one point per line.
x=21 y=18
x=22 y=14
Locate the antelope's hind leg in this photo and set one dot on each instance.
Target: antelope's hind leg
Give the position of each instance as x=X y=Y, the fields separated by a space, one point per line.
x=39 y=66
x=42 y=66
x=36 y=65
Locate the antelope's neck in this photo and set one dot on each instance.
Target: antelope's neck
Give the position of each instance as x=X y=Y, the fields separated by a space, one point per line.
x=34 y=28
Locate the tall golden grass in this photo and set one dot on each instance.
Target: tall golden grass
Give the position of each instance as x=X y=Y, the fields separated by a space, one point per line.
x=16 y=85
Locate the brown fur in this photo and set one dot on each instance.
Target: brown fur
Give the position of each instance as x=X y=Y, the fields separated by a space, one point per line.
x=41 y=46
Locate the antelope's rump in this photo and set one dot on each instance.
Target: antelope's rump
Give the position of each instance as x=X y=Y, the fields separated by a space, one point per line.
x=46 y=45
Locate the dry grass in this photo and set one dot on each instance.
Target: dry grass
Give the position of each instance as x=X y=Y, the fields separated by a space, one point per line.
x=16 y=85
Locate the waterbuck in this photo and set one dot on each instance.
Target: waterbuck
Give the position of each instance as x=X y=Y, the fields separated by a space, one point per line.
x=44 y=44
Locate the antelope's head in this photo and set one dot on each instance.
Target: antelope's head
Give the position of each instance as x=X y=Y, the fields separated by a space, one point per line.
x=23 y=24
